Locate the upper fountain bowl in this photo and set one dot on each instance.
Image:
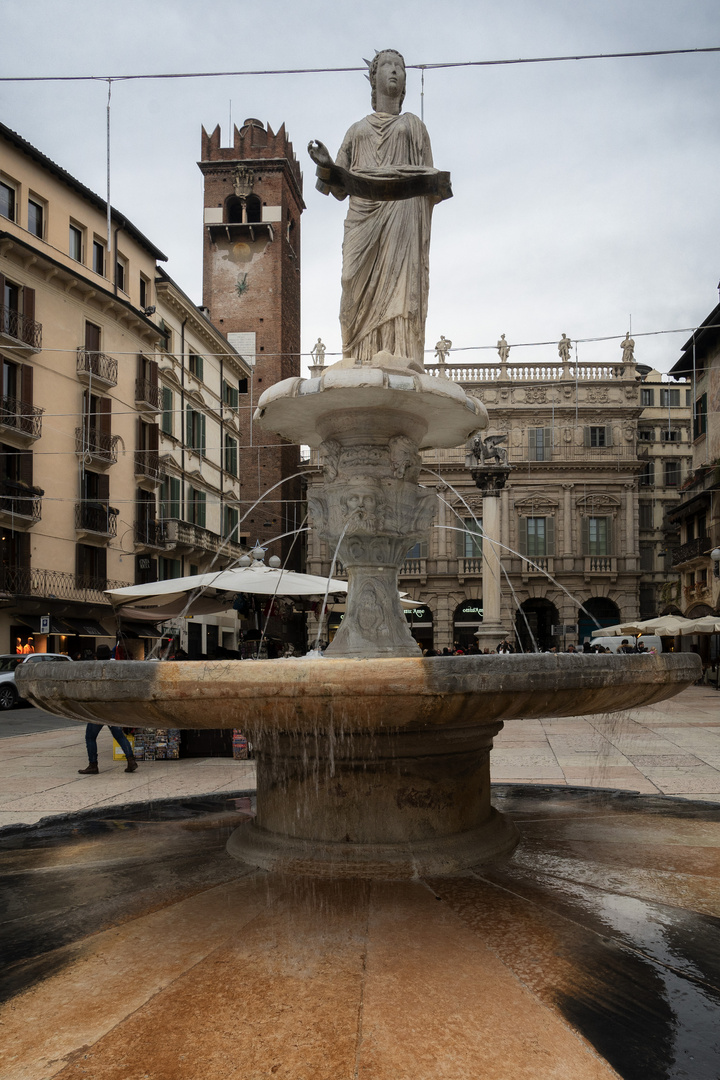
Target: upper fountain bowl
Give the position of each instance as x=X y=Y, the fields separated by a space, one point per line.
x=445 y=415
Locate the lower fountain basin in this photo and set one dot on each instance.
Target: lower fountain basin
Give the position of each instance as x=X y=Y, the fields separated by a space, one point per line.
x=372 y=768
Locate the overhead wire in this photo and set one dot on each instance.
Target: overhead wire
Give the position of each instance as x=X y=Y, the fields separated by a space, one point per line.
x=432 y=66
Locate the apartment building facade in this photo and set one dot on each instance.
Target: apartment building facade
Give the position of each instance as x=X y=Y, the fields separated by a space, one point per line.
x=569 y=514
x=74 y=324
x=119 y=424
x=698 y=514
x=188 y=504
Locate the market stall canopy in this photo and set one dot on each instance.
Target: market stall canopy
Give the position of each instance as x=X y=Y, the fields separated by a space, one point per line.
x=663 y=626
x=202 y=594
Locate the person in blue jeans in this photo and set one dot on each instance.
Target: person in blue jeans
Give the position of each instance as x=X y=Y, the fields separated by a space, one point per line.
x=91 y=733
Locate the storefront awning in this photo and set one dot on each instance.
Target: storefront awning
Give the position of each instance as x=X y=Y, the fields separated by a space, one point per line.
x=84 y=627
x=139 y=629
x=33 y=622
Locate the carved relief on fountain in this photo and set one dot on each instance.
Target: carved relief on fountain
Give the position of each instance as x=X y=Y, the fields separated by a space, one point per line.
x=371 y=509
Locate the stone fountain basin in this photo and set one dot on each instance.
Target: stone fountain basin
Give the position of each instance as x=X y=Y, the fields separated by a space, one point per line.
x=300 y=695
x=367 y=768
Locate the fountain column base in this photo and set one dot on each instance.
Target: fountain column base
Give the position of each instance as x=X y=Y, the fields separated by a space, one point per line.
x=375 y=805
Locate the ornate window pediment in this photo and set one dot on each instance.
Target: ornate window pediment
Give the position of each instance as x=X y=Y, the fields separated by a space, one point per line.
x=599 y=504
x=536 y=506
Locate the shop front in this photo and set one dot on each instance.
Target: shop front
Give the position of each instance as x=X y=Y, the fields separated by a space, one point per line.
x=420 y=621
x=467 y=619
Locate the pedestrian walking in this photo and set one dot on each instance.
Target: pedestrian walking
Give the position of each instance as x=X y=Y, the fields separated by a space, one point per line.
x=91 y=733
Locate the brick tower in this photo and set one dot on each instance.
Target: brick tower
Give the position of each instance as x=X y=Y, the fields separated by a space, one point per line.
x=251 y=288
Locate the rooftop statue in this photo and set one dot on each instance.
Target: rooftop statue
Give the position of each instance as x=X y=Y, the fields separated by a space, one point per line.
x=385 y=166
x=628 y=349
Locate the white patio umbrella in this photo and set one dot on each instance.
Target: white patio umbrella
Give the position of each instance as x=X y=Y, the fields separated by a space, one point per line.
x=664 y=626
x=217 y=591
x=707 y=624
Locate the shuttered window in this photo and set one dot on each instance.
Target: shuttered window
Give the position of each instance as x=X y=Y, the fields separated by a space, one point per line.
x=469 y=542
x=540 y=444
x=231 y=455
x=196 y=430
x=167 y=411
x=170 y=497
x=597 y=535
x=196 y=507
x=599 y=435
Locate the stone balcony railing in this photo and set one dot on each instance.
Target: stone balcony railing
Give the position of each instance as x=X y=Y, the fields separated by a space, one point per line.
x=55 y=585
x=537 y=373
x=600 y=564
x=20 y=328
x=21 y=417
x=97 y=367
x=414 y=568
x=538 y=565
x=186 y=536
x=693 y=549
x=470 y=566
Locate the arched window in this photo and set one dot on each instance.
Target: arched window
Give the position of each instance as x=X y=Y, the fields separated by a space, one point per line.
x=254 y=208
x=234 y=210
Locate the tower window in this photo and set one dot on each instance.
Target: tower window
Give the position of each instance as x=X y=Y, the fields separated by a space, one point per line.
x=234 y=210
x=254 y=208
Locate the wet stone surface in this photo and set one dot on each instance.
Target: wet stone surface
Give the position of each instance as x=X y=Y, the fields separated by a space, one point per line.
x=134 y=947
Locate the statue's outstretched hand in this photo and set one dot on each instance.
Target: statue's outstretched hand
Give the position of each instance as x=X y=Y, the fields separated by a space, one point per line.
x=319 y=153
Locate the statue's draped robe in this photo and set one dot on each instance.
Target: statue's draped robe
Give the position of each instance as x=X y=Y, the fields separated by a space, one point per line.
x=385 y=275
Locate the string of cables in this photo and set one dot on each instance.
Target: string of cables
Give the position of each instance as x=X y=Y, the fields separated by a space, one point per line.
x=435 y=66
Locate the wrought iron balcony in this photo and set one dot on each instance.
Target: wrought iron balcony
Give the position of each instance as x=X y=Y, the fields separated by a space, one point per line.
x=147 y=465
x=97 y=367
x=97 y=445
x=96 y=518
x=23 y=418
x=18 y=501
x=147 y=393
x=19 y=328
x=150 y=534
x=693 y=549
x=55 y=584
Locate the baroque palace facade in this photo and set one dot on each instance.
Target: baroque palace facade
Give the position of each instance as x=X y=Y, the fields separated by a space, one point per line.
x=598 y=452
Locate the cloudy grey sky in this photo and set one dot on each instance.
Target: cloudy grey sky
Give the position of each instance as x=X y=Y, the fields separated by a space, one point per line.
x=585 y=193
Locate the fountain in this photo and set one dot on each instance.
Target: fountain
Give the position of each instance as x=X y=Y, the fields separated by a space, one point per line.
x=373 y=765
x=373 y=760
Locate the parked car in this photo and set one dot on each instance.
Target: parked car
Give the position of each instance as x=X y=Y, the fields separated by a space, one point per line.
x=9 y=696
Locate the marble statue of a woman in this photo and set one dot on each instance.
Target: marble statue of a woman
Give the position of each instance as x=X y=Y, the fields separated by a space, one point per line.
x=385 y=167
